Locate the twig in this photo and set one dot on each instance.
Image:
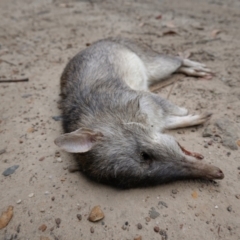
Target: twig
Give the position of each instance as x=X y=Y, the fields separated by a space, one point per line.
x=170 y=91
x=12 y=64
x=13 y=80
x=160 y=85
x=202 y=41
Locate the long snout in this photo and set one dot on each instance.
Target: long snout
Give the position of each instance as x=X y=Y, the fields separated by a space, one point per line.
x=199 y=169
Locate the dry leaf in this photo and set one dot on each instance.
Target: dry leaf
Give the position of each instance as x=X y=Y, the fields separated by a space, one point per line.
x=6 y=217
x=215 y=32
x=194 y=195
x=238 y=142
x=158 y=17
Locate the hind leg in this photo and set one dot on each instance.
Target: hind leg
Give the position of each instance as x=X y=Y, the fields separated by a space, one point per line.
x=173 y=122
x=192 y=68
x=169 y=109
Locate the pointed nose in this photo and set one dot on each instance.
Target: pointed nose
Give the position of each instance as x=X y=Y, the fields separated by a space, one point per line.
x=219 y=174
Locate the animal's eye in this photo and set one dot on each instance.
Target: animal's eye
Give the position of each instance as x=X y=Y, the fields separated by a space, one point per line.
x=145 y=156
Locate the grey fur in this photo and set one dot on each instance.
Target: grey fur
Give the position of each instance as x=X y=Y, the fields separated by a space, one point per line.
x=114 y=124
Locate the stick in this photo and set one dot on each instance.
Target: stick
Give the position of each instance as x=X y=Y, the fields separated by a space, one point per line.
x=1 y=60
x=163 y=84
x=170 y=91
x=13 y=80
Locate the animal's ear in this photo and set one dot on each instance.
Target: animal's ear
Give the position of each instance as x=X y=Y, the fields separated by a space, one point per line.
x=79 y=141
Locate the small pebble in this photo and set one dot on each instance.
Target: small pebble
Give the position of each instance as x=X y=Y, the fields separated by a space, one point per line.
x=18 y=201
x=41 y=159
x=46 y=193
x=53 y=198
x=163 y=233
x=206 y=145
x=139 y=226
x=153 y=213
x=26 y=95
x=59 y=159
x=10 y=170
x=57 y=154
x=42 y=210
x=210 y=142
x=8 y=237
x=58 y=221
x=163 y=204
x=228 y=154
x=237 y=196
x=216 y=206
x=31 y=195
x=79 y=217
x=57 y=118
x=156 y=229
x=44 y=238
x=96 y=214
x=229 y=228
x=91 y=229
x=174 y=191
x=229 y=208
x=238 y=168
x=2 y=151
x=18 y=228
x=42 y=228
x=124 y=227
x=138 y=237
x=148 y=219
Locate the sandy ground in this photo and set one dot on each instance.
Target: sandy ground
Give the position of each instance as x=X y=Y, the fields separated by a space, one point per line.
x=37 y=38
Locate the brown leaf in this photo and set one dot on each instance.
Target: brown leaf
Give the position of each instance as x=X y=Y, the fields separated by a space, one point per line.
x=158 y=17
x=6 y=217
x=238 y=142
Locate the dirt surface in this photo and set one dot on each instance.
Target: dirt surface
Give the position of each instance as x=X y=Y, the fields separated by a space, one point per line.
x=37 y=38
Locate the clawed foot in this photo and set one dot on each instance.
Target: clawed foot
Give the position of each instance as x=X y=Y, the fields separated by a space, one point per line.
x=197 y=69
x=193 y=154
x=199 y=119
